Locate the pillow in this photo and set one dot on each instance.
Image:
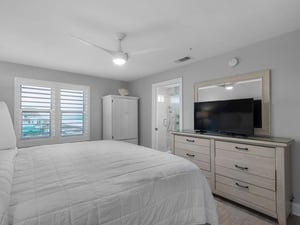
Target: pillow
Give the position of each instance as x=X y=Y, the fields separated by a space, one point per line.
x=7 y=133
x=6 y=177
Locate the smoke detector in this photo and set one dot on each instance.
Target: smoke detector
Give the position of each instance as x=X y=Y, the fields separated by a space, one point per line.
x=233 y=62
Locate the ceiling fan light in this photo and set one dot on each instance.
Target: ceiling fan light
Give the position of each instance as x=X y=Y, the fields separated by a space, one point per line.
x=119 y=61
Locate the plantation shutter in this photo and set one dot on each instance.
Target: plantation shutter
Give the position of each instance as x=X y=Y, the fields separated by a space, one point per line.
x=50 y=112
x=36 y=110
x=72 y=112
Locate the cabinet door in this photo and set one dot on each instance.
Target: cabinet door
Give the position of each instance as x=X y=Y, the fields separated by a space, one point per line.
x=125 y=118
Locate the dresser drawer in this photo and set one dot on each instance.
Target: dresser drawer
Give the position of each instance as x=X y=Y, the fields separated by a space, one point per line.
x=192 y=155
x=193 y=140
x=200 y=149
x=247 y=192
x=202 y=164
x=246 y=163
x=245 y=177
x=247 y=149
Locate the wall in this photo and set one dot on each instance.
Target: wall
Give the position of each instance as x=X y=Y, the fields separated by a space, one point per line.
x=281 y=55
x=98 y=88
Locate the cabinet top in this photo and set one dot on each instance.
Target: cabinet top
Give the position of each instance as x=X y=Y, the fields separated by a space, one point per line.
x=270 y=141
x=120 y=96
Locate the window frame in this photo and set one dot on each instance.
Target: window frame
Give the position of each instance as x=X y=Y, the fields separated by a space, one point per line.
x=55 y=119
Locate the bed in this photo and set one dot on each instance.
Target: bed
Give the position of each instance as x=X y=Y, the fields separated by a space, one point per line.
x=100 y=182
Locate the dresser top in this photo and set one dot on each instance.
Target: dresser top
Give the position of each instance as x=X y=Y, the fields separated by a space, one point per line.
x=120 y=96
x=273 y=141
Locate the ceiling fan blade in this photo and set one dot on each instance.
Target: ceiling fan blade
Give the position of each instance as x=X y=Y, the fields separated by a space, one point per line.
x=146 y=51
x=93 y=45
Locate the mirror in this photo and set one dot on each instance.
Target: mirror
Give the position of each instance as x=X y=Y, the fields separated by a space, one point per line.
x=253 y=85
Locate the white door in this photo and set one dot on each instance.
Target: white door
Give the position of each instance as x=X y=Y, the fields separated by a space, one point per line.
x=125 y=120
x=166 y=112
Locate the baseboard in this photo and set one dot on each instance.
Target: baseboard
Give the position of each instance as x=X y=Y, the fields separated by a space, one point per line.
x=296 y=209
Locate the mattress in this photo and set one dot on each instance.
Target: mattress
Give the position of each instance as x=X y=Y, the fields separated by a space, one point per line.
x=109 y=183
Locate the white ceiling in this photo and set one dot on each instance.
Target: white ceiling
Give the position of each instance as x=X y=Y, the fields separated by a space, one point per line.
x=37 y=32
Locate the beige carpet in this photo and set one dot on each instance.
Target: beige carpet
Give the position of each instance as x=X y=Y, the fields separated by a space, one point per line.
x=231 y=214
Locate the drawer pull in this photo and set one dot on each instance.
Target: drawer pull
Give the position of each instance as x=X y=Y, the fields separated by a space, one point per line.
x=242 y=186
x=190 y=155
x=190 y=140
x=241 y=167
x=242 y=149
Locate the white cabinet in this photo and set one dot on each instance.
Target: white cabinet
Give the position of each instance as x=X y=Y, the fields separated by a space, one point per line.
x=120 y=118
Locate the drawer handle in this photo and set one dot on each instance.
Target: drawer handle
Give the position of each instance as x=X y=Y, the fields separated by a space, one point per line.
x=242 y=186
x=190 y=155
x=241 y=167
x=243 y=149
x=190 y=140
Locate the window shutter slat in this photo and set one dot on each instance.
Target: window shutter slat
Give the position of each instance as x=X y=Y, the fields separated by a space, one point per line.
x=33 y=97
x=72 y=107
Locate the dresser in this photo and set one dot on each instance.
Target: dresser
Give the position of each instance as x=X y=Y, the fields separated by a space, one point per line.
x=254 y=172
x=120 y=118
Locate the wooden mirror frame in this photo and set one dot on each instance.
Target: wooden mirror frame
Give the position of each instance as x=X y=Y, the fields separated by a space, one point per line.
x=265 y=101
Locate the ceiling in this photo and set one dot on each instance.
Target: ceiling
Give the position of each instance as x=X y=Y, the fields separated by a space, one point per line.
x=39 y=33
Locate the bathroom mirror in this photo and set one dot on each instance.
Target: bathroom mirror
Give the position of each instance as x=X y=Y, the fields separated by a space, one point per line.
x=252 y=85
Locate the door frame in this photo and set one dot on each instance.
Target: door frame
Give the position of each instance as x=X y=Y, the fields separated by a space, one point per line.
x=177 y=82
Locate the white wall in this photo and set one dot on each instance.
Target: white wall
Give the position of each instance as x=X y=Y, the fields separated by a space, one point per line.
x=98 y=88
x=281 y=55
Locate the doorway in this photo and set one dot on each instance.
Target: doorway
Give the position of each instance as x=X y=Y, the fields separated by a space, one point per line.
x=166 y=112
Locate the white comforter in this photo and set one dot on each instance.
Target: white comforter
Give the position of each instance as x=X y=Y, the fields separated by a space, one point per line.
x=109 y=183
x=6 y=176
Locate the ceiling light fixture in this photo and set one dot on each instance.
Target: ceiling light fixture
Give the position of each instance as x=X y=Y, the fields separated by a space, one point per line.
x=229 y=87
x=120 y=58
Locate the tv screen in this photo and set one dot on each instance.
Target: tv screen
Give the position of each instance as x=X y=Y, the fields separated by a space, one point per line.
x=257 y=113
x=230 y=116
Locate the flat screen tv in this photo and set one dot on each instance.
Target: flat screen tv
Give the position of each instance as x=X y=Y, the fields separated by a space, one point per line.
x=234 y=117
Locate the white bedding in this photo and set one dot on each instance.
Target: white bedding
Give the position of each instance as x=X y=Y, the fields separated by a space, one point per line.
x=6 y=175
x=109 y=183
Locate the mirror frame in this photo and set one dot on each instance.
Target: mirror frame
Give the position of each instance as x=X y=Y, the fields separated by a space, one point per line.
x=266 y=95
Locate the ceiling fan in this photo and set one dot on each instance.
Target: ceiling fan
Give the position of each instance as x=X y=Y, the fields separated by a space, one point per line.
x=119 y=57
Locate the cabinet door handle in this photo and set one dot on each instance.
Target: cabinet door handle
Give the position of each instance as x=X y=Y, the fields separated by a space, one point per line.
x=190 y=140
x=190 y=155
x=241 y=167
x=243 y=149
x=242 y=186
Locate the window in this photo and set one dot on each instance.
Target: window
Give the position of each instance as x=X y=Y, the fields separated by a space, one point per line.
x=50 y=112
